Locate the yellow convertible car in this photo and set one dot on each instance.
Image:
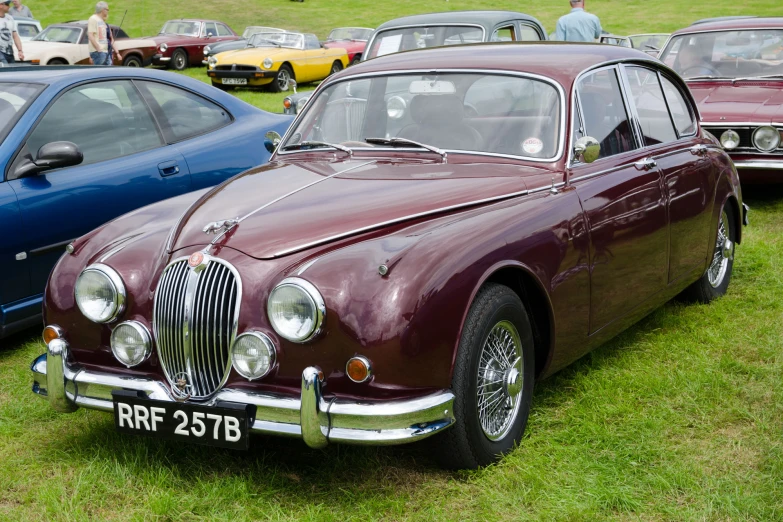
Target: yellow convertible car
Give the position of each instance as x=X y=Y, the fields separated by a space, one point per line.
x=272 y=59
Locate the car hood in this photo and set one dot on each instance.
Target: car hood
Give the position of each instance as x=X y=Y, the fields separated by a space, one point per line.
x=227 y=46
x=250 y=55
x=288 y=207
x=747 y=101
x=33 y=48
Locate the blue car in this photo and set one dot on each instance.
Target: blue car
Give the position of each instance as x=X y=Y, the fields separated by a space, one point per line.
x=80 y=146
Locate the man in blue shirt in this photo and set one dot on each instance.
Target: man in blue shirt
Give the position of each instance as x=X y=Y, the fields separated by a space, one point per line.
x=578 y=25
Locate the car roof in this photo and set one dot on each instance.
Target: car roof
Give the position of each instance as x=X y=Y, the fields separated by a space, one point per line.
x=59 y=76
x=193 y=20
x=733 y=24
x=484 y=18
x=561 y=61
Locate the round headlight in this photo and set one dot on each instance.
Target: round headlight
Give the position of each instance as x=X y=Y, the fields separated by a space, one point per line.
x=395 y=107
x=131 y=343
x=296 y=310
x=206 y=50
x=730 y=139
x=766 y=139
x=267 y=63
x=252 y=355
x=211 y=61
x=300 y=103
x=100 y=294
x=163 y=47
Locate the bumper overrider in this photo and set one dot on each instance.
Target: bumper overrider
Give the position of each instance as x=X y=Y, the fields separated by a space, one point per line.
x=317 y=420
x=159 y=59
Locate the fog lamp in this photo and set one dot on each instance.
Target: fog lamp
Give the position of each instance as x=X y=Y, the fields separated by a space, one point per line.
x=252 y=355
x=358 y=369
x=730 y=140
x=50 y=333
x=131 y=343
x=766 y=138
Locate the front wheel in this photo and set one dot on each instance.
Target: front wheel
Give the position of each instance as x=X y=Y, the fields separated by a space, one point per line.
x=492 y=381
x=715 y=281
x=280 y=83
x=179 y=60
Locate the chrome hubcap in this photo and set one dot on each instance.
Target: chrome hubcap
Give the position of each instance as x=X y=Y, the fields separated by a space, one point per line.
x=282 y=80
x=500 y=380
x=724 y=250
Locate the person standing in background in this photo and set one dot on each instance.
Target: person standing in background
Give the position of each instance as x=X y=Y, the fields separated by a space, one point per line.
x=98 y=36
x=8 y=36
x=20 y=11
x=578 y=25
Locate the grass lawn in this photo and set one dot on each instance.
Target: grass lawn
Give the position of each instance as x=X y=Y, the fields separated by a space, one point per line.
x=679 y=418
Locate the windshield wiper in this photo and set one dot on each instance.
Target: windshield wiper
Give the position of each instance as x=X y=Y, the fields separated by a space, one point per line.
x=406 y=141
x=762 y=77
x=706 y=77
x=315 y=144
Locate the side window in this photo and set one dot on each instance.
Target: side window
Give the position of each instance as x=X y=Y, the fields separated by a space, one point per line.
x=681 y=112
x=528 y=33
x=223 y=30
x=504 y=34
x=119 y=33
x=183 y=114
x=604 y=116
x=650 y=105
x=311 y=42
x=211 y=29
x=105 y=120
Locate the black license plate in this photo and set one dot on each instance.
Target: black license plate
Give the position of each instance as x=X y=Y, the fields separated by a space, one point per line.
x=225 y=425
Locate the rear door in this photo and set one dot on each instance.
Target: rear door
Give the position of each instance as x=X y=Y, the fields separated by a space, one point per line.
x=126 y=166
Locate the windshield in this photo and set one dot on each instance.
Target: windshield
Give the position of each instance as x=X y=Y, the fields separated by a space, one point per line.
x=14 y=99
x=290 y=40
x=647 y=42
x=182 y=28
x=253 y=29
x=55 y=33
x=491 y=113
x=26 y=30
x=726 y=54
x=350 y=33
x=408 y=38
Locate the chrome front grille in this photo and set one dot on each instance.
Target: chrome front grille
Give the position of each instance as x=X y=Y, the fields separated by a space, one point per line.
x=195 y=321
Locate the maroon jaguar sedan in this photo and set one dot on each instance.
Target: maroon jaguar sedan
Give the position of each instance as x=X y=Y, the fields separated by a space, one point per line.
x=437 y=230
x=735 y=70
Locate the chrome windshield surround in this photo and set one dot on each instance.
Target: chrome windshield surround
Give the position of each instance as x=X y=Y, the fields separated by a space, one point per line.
x=183 y=341
x=410 y=26
x=120 y=294
x=318 y=304
x=403 y=72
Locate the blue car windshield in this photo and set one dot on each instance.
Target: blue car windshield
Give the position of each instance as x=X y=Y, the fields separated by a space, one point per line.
x=14 y=100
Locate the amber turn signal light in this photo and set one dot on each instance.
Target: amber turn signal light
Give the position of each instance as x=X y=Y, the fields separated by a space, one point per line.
x=51 y=333
x=358 y=369
x=287 y=103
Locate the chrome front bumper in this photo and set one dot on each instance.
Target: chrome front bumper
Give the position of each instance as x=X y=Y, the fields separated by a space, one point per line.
x=758 y=165
x=318 y=421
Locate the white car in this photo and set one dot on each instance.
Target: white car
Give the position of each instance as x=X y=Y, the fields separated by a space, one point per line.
x=27 y=28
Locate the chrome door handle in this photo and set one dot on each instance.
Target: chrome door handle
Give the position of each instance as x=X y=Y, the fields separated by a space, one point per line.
x=646 y=164
x=698 y=150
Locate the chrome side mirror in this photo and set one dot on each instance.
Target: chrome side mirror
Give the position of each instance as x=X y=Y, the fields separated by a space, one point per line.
x=292 y=84
x=271 y=141
x=587 y=149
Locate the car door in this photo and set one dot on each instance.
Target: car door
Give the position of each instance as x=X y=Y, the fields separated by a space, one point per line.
x=14 y=269
x=623 y=201
x=126 y=166
x=319 y=60
x=193 y=123
x=683 y=161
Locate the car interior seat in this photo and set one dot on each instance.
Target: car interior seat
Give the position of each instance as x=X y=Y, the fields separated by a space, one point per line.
x=439 y=121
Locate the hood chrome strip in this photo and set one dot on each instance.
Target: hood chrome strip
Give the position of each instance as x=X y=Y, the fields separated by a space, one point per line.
x=284 y=196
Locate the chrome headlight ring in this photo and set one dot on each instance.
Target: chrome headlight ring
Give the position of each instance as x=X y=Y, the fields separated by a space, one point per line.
x=267 y=63
x=163 y=47
x=766 y=138
x=117 y=288
x=300 y=104
x=121 y=348
x=311 y=325
x=730 y=139
x=242 y=356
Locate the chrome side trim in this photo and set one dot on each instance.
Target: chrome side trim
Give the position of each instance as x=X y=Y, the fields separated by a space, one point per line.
x=397 y=72
x=310 y=416
x=752 y=164
x=396 y=27
x=721 y=124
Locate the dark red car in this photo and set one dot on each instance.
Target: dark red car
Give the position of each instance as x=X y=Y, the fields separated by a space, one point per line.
x=437 y=230
x=352 y=39
x=734 y=69
x=181 y=42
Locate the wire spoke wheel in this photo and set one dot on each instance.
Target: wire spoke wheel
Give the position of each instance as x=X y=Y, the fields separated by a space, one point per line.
x=500 y=380
x=282 y=79
x=724 y=250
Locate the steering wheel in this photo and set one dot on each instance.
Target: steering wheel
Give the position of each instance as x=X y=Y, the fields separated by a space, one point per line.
x=701 y=67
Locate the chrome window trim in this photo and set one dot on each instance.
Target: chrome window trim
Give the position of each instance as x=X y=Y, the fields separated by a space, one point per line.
x=401 y=72
x=635 y=110
x=631 y=164
x=691 y=108
x=396 y=27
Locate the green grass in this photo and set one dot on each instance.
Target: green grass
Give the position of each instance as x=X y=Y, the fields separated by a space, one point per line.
x=679 y=418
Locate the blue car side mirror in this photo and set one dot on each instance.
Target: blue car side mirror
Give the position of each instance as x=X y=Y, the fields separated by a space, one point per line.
x=54 y=155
